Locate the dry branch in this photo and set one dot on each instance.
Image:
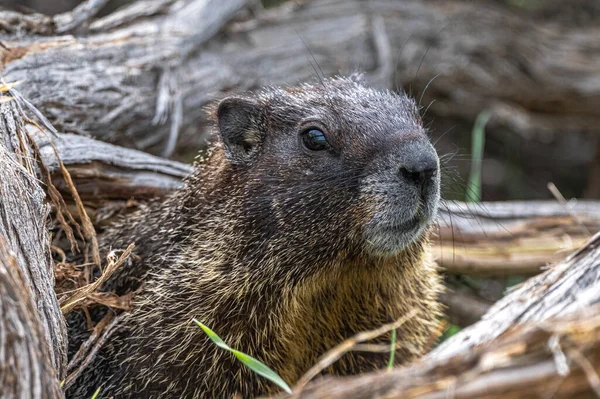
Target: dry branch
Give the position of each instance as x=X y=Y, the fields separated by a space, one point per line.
x=81 y=14
x=103 y=172
x=141 y=76
x=33 y=342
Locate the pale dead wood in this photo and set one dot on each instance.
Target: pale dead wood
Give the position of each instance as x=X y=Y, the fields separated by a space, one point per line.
x=571 y=285
x=81 y=14
x=40 y=334
x=136 y=68
x=27 y=370
x=149 y=69
x=511 y=237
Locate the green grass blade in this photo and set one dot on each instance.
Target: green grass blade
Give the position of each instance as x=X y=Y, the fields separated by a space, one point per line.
x=261 y=369
x=213 y=336
x=96 y=394
x=473 y=193
x=250 y=362
x=392 y=351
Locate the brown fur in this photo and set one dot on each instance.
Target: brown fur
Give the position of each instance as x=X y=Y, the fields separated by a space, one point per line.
x=271 y=254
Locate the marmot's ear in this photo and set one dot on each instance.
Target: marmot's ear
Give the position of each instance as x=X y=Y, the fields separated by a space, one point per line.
x=239 y=122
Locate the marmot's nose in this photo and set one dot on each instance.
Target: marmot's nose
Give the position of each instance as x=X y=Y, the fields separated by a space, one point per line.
x=419 y=170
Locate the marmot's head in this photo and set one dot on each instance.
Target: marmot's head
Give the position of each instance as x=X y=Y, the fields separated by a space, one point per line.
x=332 y=168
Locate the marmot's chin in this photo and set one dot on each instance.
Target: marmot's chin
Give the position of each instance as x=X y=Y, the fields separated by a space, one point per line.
x=387 y=239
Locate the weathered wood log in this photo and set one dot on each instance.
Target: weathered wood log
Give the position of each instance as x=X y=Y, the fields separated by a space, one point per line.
x=27 y=370
x=541 y=340
x=155 y=62
x=32 y=330
x=104 y=172
x=137 y=68
x=511 y=237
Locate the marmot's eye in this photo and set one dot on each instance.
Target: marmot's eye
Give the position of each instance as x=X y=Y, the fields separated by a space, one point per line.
x=315 y=140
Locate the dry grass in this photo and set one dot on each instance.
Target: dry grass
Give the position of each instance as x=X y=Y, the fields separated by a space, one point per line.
x=89 y=291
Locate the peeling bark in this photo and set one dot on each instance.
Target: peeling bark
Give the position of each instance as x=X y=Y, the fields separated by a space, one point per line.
x=27 y=370
x=33 y=342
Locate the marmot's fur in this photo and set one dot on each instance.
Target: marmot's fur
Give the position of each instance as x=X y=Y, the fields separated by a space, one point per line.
x=305 y=224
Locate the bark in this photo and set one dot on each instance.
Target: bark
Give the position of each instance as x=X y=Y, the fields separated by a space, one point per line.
x=141 y=76
x=541 y=340
x=27 y=370
x=511 y=237
x=32 y=330
x=104 y=173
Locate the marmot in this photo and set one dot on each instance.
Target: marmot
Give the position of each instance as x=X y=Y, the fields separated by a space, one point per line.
x=306 y=224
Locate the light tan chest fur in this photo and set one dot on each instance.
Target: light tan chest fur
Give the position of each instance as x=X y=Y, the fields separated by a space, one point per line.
x=323 y=311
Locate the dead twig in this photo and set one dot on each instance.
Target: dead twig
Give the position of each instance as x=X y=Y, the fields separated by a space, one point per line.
x=348 y=345
x=85 y=292
x=61 y=208
x=86 y=223
x=107 y=332
x=563 y=201
x=84 y=12
x=96 y=332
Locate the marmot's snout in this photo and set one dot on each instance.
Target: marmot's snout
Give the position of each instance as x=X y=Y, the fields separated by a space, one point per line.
x=420 y=168
x=404 y=192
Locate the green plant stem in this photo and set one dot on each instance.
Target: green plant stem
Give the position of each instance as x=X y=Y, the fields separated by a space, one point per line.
x=473 y=193
x=392 y=351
